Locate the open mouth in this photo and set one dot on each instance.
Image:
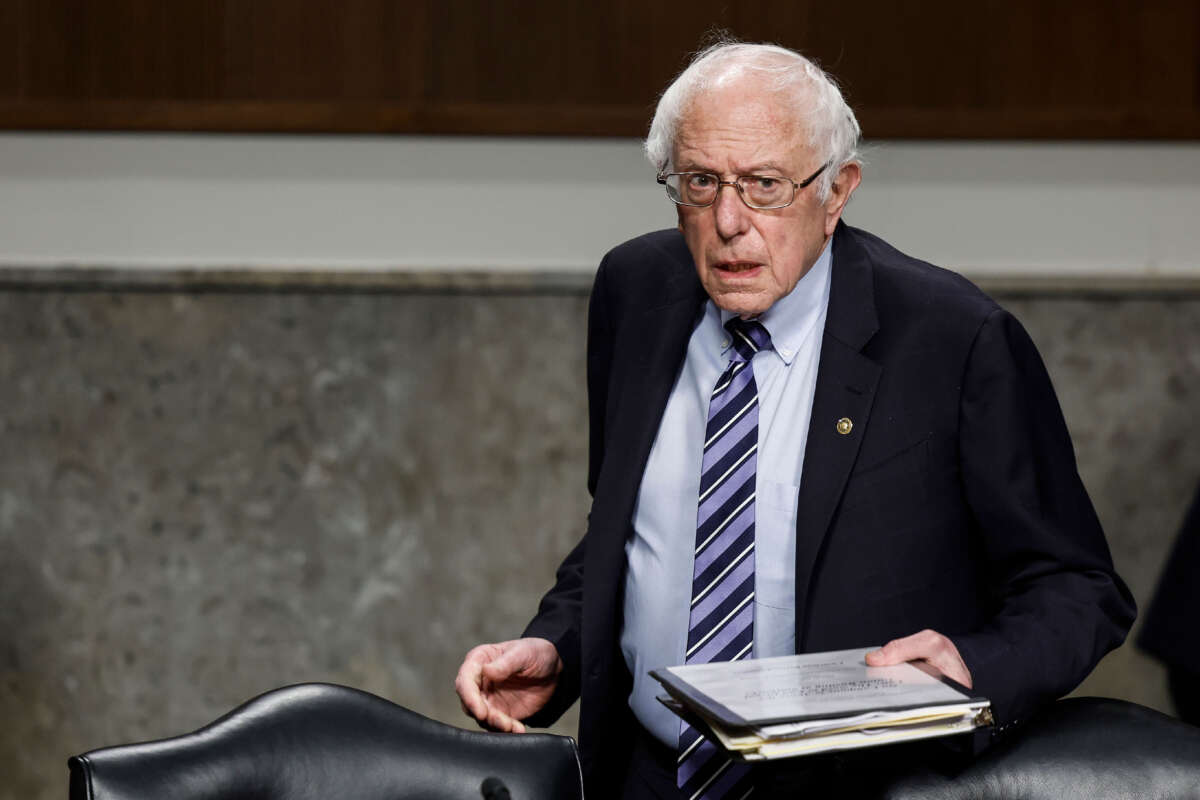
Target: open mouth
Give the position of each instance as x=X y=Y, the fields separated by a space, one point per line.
x=736 y=266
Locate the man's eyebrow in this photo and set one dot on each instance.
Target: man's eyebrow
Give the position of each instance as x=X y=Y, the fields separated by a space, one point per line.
x=767 y=166
x=757 y=169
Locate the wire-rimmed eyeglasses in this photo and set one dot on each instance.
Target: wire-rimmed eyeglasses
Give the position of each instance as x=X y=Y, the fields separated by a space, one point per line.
x=760 y=192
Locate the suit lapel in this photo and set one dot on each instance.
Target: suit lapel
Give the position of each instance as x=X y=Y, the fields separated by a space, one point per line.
x=845 y=389
x=659 y=336
x=650 y=347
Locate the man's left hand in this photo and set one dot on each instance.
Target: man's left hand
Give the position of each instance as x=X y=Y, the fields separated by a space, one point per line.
x=929 y=646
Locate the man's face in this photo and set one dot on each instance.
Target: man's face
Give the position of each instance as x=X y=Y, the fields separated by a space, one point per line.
x=748 y=259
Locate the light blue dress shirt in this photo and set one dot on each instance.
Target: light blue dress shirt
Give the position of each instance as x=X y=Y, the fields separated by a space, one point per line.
x=659 y=554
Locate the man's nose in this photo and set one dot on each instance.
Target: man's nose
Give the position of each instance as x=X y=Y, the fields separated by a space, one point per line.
x=732 y=213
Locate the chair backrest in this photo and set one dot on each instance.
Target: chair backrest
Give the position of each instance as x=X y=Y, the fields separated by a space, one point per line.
x=1084 y=748
x=319 y=741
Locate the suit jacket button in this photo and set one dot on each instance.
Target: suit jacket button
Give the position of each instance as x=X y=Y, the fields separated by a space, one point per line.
x=844 y=426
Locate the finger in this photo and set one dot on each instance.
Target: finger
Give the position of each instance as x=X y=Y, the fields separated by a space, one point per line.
x=909 y=648
x=500 y=721
x=929 y=646
x=891 y=653
x=472 y=701
x=470 y=698
x=520 y=657
x=950 y=663
x=955 y=670
x=468 y=683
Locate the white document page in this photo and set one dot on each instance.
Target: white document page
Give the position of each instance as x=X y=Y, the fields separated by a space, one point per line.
x=817 y=685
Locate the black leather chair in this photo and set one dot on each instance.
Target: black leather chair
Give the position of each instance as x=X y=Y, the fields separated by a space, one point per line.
x=1086 y=748
x=319 y=742
x=323 y=741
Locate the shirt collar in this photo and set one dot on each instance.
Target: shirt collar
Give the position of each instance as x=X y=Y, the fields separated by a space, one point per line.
x=791 y=318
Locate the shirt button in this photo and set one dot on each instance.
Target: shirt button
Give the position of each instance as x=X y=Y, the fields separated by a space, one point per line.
x=724 y=343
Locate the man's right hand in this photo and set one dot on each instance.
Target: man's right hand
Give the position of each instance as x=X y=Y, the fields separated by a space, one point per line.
x=501 y=684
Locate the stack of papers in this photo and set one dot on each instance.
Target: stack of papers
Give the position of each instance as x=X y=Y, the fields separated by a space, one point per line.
x=799 y=705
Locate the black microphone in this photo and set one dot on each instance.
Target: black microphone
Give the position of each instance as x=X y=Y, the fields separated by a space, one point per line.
x=494 y=789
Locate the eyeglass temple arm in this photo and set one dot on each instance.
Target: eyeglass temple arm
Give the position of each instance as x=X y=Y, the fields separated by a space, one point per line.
x=802 y=184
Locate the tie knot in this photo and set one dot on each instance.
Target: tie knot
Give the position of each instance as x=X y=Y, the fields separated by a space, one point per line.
x=748 y=337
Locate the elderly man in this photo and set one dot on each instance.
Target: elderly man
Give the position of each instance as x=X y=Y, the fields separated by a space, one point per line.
x=801 y=440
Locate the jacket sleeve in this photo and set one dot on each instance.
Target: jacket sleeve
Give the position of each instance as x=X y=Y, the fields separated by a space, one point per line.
x=559 y=614
x=1059 y=606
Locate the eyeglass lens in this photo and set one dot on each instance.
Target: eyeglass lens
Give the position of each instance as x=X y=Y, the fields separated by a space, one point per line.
x=700 y=188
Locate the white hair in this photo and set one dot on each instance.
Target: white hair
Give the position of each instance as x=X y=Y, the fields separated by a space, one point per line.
x=812 y=95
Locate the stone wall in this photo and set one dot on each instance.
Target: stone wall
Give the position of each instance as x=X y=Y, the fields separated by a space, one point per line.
x=208 y=494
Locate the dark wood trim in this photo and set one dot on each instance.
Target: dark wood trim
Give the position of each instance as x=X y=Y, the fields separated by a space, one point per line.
x=1018 y=69
x=305 y=117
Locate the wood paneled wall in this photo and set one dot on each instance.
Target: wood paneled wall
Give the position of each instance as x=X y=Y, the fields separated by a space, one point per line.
x=1081 y=69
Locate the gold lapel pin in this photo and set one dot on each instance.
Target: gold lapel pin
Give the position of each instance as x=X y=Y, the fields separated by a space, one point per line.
x=844 y=426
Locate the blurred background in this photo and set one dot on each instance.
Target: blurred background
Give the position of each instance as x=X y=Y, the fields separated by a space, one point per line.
x=293 y=297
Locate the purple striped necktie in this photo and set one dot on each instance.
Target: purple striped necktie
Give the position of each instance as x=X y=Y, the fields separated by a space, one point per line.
x=721 y=622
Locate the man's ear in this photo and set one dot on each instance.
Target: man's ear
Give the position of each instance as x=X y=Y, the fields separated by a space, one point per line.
x=847 y=180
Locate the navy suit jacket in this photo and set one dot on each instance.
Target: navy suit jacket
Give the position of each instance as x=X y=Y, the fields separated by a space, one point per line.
x=953 y=503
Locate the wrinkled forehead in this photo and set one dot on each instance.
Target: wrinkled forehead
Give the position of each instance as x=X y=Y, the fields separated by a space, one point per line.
x=747 y=118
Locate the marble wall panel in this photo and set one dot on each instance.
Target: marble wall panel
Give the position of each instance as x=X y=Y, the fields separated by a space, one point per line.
x=205 y=495
x=1127 y=372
